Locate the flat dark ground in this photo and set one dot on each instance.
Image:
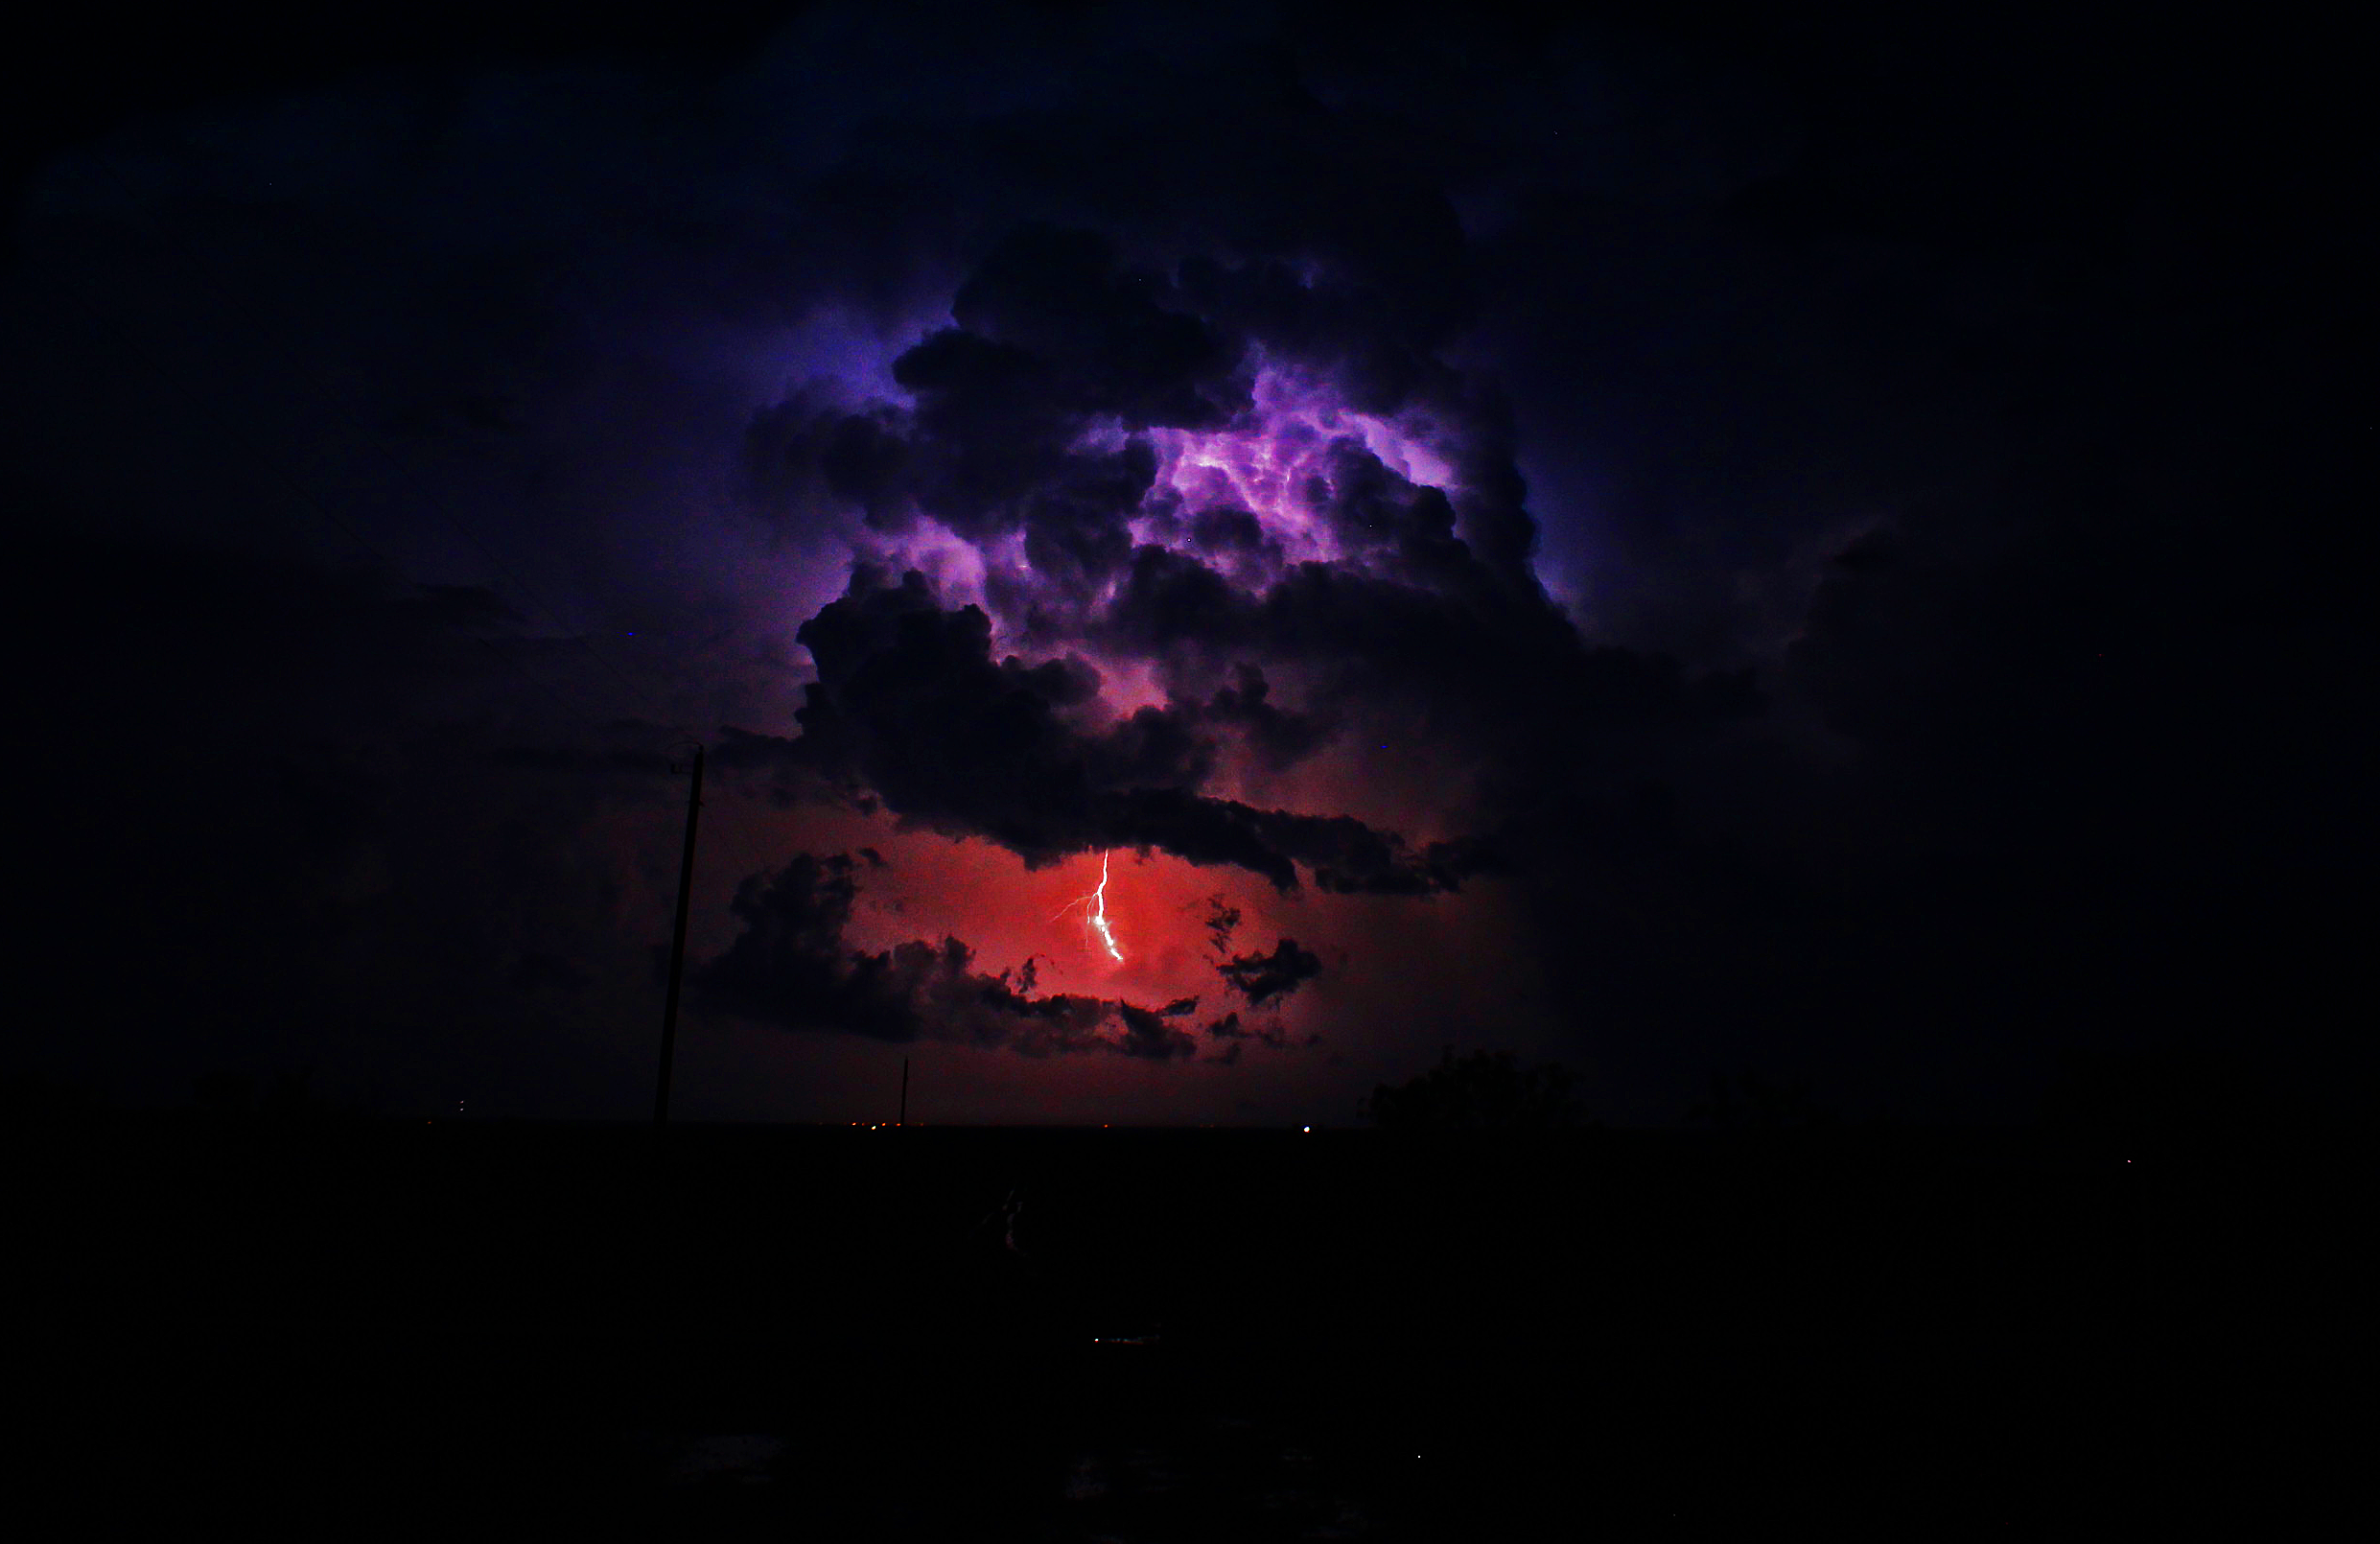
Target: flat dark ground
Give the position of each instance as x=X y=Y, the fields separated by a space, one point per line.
x=424 y=1330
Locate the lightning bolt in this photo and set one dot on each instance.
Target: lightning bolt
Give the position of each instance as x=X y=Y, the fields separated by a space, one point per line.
x=1099 y=913
x=1095 y=912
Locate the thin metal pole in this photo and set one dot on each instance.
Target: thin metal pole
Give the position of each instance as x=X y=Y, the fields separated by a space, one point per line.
x=677 y=946
x=904 y=1093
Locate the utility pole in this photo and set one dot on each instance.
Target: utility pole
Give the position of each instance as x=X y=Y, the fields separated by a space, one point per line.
x=677 y=946
x=904 y=1093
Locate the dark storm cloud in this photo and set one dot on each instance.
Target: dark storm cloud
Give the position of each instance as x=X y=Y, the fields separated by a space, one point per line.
x=1280 y=738
x=1261 y=978
x=1108 y=339
x=1482 y=668
x=1148 y=1036
x=1234 y=1036
x=1057 y=337
x=801 y=453
x=791 y=966
x=1051 y=333
x=1055 y=343
x=910 y=707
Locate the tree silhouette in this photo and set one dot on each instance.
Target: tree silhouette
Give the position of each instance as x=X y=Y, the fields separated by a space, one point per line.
x=1486 y=1091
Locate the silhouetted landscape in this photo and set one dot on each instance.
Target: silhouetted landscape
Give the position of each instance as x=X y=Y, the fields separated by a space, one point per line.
x=321 y=1325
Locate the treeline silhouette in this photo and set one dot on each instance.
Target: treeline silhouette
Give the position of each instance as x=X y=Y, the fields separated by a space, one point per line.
x=1484 y=1091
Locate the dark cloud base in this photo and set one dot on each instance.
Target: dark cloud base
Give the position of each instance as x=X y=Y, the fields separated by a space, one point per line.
x=792 y=967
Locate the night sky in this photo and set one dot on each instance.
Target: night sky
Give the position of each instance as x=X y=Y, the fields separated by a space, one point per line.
x=1819 y=547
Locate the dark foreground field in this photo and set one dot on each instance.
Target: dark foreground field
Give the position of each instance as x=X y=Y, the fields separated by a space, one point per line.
x=555 y=1331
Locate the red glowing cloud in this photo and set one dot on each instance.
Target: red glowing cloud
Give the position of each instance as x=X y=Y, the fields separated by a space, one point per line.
x=1152 y=633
